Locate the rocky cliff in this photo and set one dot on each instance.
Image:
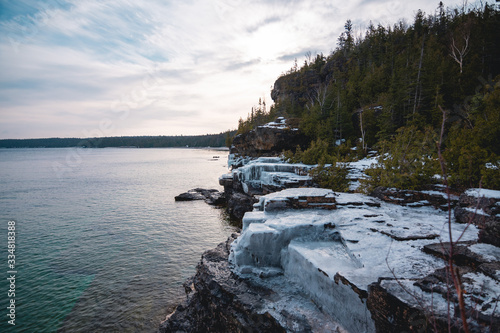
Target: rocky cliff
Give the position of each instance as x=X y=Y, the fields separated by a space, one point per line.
x=269 y=140
x=311 y=260
x=220 y=301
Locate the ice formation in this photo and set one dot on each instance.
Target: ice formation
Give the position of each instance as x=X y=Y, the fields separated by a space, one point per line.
x=335 y=253
x=271 y=171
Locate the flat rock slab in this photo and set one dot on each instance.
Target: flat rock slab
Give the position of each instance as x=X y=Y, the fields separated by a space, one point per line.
x=211 y=196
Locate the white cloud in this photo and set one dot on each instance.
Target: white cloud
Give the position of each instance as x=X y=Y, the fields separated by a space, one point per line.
x=160 y=68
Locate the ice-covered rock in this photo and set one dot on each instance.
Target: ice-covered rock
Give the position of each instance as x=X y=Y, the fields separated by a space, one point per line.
x=264 y=172
x=218 y=301
x=482 y=208
x=338 y=256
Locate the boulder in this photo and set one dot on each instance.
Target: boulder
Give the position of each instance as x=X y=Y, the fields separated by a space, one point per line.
x=189 y=196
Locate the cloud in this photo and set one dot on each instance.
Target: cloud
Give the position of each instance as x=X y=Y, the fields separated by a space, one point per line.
x=159 y=67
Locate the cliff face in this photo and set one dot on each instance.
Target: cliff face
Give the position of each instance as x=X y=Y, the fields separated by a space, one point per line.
x=311 y=260
x=220 y=301
x=268 y=141
x=245 y=182
x=296 y=88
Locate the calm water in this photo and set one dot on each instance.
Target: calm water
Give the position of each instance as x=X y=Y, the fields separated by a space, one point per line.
x=101 y=246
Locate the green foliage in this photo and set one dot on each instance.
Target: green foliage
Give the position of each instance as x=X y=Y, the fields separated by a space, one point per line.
x=405 y=71
x=465 y=159
x=388 y=88
x=332 y=177
x=258 y=116
x=229 y=139
x=409 y=161
x=475 y=144
x=491 y=176
x=317 y=153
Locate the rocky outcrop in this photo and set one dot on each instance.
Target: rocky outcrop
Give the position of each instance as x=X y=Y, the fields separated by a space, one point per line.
x=298 y=87
x=219 y=301
x=366 y=265
x=482 y=208
x=260 y=176
x=211 y=196
x=268 y=141
x=408 y=305
x=362 y=262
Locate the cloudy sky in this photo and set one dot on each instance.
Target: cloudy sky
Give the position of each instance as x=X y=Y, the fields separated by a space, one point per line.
x=85 y=68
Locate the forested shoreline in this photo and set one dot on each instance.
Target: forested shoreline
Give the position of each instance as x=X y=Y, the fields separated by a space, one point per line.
x=414 y=91
x=209 y=140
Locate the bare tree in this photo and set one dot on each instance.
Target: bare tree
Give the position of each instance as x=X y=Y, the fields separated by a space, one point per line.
x=320 y=97
x=460 y=44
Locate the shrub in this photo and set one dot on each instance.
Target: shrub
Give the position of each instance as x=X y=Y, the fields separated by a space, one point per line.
x=407 y=162
x=317 y=153
x=333 y=177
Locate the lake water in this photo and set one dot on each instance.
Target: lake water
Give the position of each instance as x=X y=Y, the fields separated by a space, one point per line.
x=101 y=245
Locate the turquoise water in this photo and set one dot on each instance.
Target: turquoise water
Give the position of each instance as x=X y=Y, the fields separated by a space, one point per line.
x=101 y=246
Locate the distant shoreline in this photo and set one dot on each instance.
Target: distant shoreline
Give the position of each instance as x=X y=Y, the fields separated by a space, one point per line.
x=178 y=141
x=127 y=147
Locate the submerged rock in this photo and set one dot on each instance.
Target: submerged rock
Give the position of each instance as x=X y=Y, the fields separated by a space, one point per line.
x=211 y=196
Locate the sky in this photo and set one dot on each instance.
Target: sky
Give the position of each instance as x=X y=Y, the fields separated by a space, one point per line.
x=93 y=68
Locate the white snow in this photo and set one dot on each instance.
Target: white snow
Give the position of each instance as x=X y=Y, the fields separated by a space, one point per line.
x=442 y=194
x=487 y=251
x=481 y=192
x=476 y=211
x=485 y=288
x=357 y=170
x=280 y=124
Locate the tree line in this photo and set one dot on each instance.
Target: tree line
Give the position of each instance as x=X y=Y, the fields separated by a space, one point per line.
x=208 y=140
x=398 y=83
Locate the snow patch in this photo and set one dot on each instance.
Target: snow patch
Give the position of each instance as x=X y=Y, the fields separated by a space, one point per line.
x=481 y=192
x=487 y=251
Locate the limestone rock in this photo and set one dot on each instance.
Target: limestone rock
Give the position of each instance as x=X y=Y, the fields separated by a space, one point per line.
x=219 y=301
x=268 y=141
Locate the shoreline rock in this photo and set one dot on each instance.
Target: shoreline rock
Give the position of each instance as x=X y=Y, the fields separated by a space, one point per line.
x=297 y=268
x=219 y=301
x=267 y=284
x=211 y=196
